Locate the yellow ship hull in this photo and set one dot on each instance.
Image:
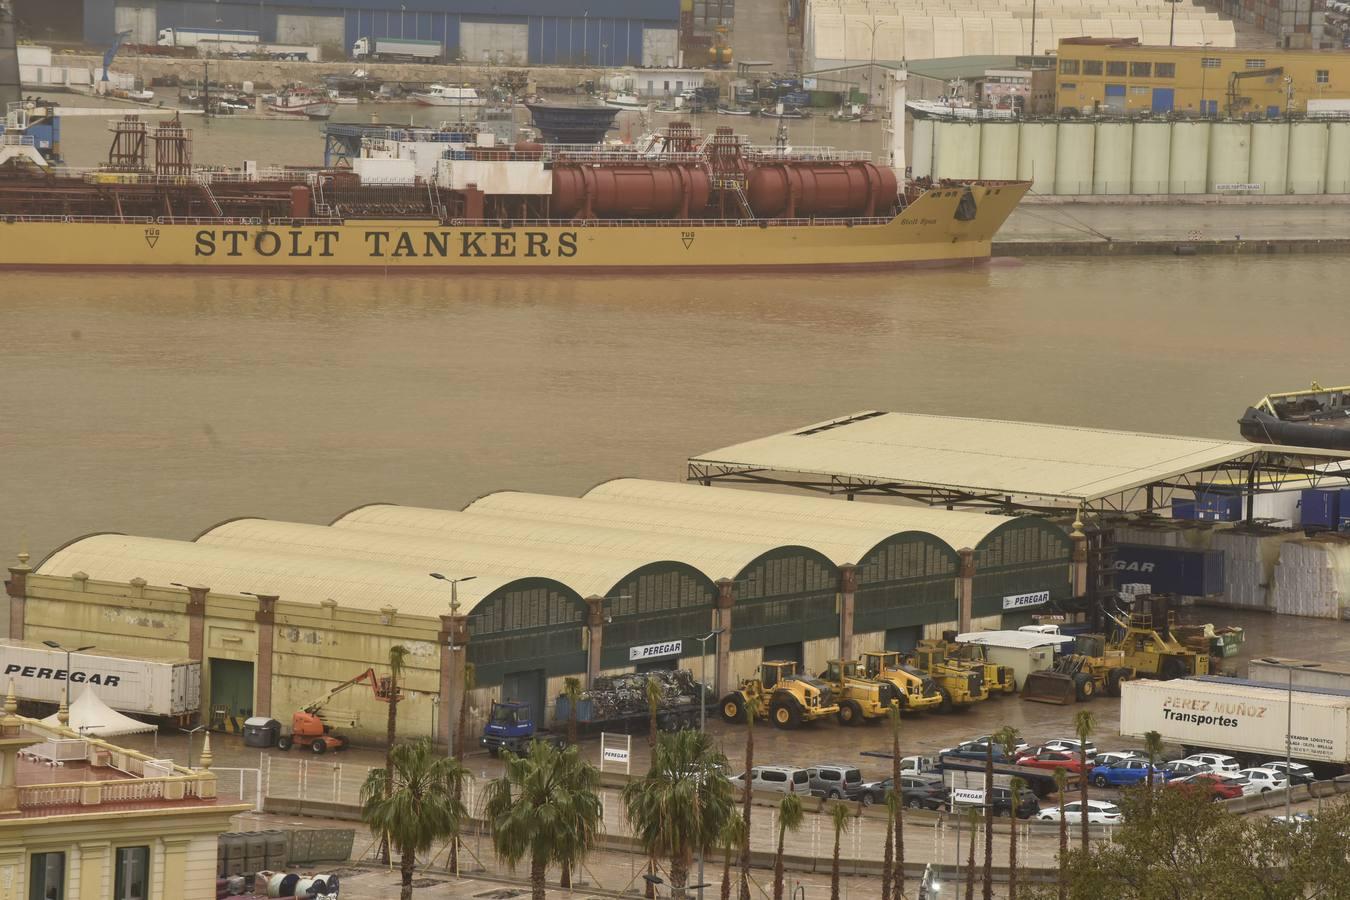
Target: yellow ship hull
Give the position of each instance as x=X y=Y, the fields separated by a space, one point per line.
x=925 y=233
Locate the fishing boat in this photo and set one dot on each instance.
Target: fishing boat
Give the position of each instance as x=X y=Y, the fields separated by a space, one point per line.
x=782 y=112
x=625 y=101
x=674 y=201
x=955 y=108
x=302 y=103
x=734 y=111
x=448 y=95
x=1316 y=417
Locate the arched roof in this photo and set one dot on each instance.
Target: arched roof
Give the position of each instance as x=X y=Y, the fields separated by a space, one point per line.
x=715 y=557
x=355 y=583
x=959 y=529
x=587 y=573
x=842 y=543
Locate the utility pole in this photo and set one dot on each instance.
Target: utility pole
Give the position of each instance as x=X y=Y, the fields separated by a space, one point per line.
x=10 y=89
x=1172 y=29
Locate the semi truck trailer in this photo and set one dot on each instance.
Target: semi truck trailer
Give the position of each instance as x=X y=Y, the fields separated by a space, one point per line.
x=191 y=37
x=1241 y=718
x=396 y=49
x=170 y=688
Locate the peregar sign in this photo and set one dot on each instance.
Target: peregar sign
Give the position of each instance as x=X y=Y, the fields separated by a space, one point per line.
x=1021 y=601
x=655 y=651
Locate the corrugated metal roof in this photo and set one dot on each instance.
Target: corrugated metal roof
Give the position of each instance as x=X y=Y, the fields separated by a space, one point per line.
x=1063 y=464
x=357 y=583
x=589 y=573
x=791 y=511
x=715 y=557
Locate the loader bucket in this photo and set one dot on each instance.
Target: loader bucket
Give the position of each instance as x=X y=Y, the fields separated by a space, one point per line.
x=1049 y=687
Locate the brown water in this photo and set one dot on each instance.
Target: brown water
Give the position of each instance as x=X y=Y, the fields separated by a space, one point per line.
x=160 y=404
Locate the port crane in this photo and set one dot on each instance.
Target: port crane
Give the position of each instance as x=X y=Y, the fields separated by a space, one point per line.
x=313 y=725
x=108 y=56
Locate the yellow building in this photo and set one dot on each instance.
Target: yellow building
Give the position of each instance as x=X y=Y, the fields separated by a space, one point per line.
x=82 y=819
x=1106 y=74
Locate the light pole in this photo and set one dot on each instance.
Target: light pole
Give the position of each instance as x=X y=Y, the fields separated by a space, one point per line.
x=454 y=611
x=703 y=721
x=67 y=651
x=454 y=589
x=1172 y=28
x=1288 y=728
x=1202 y=76
x=190 y=732
x=1033 y=30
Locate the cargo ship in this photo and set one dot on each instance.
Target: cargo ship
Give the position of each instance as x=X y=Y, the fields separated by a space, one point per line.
x=456 y=198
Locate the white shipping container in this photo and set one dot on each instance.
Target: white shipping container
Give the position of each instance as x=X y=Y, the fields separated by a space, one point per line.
x=1326 y=675
x=1235 y=717
x=156 y=687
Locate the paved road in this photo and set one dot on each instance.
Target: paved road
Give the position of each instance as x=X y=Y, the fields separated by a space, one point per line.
x=761 y=33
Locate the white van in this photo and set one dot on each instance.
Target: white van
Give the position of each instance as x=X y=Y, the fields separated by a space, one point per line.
x=781 y=779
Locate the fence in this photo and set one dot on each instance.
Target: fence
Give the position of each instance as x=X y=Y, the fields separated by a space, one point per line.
x=240 y=786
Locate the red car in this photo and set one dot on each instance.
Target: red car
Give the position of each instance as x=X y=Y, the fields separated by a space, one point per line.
x=1217 y=787
x=1054 y=759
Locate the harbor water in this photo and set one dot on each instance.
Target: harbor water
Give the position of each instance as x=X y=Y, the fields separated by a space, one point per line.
x=161 y=404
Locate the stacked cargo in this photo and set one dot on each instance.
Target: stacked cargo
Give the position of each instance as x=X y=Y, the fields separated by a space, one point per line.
x=1249 y=564
x=1312 y=577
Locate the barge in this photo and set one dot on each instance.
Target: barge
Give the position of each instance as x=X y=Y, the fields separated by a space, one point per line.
x=453 y=198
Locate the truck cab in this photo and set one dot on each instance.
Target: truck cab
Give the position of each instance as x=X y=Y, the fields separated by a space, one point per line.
x=510 y=726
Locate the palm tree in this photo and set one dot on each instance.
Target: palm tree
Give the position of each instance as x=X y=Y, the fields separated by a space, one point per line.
x=839 y=816
x=1061 y=786
x=971 y=816
x=572 y=691
x=1007 y=738
x=653 y=706
x=1016 y=785
x=470 y=681
x=745 y=799
x=682 y=804
x=898 y=878
x=415 y=802
x=888 y=860
x=790 y=818
x=732 y=837
x=1084 y=723
x=544 y=806
x=397 y=654
x=1152 y=746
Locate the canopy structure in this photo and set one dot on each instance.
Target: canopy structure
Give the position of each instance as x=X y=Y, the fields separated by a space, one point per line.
x=91 y=717
x=942 y=460
x=1014 y=640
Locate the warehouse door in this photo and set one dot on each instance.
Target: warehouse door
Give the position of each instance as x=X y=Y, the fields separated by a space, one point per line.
x=527 y=687
x=1163 y=99
x=785 y=653
x=1115 y=97
x=231 y=692
x=903 y=640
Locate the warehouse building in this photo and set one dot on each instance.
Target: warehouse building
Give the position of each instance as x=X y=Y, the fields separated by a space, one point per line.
x=514 y=32
x=554 y=587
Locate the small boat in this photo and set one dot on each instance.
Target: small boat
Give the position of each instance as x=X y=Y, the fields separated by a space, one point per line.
x=1317 y=417
x=782 y=112
x=302 y=103
x=735 y=111
x=342 y=99
x=448 y=95
x=141 y=96
x=955 y=108
x=625 y=101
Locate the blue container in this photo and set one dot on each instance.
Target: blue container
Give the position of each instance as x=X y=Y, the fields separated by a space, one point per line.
x=1320 y=509
x=1171 y=570
x=1183 y=509
x=1215 y=506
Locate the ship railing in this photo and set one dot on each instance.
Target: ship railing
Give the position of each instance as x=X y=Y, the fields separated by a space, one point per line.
x=17 y=140
x=591 y=155
x=458 y=223
x=806 y=154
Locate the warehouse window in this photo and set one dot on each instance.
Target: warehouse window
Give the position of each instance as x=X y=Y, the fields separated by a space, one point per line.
x=1092 y=67
x=1115 y=67
x=47 y=880
x=1210 y=62
x=1138 y=90
x=1068 y=67
x=1141 y=69
x=1165 y=70
x=1068 y=86
x=1255 y=64
x=1324 y=76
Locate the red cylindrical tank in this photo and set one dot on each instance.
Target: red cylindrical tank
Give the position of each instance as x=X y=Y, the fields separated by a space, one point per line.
x=629 y=192
x=529 y=150
x=301 y=208
x=805 y=189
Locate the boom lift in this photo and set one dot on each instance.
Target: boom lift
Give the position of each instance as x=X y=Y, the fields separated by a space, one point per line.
x=313 y=726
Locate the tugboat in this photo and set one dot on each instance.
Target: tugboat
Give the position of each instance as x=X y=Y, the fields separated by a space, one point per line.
x=1317 y=417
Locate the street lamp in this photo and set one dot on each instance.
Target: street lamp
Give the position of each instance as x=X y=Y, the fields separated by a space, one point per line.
x=454 y=589
x=67 y=651
x=1288 y=727
x=1172 y=28
x=190 y=732
x=703 y=720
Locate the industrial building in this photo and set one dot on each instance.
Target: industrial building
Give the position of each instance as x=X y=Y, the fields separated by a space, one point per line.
x=554 y=587
x=515 y=32
x=1129 y=77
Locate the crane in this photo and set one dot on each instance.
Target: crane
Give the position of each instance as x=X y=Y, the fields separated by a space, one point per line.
x=310 y=725
x=1248 y=73
x=109 y=55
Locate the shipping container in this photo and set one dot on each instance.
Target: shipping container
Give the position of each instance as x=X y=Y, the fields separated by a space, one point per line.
x=1240 y=718
x=1319 y=509
x=1183 y=509
x=156 y=687
x=1307 y=674
x=1171 y=570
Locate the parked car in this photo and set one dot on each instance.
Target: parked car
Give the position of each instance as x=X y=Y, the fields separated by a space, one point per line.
x=977 y=748
x=1054 y=759
x=783 y=779
x=836 y=781
x=1298 y=821
x=1027 y=804
x=1115 y=756
x=915 y=792
x=1124 y=773
x=1070 y=744
x=1265 y=780
x=1298 y=773
x=1099 y=812
x=1180 y=768
x=1216 y=787
x=1214 y=762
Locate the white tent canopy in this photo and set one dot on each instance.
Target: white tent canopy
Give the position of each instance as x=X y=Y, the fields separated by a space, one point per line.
x=91 y=717
x=1014 y=640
